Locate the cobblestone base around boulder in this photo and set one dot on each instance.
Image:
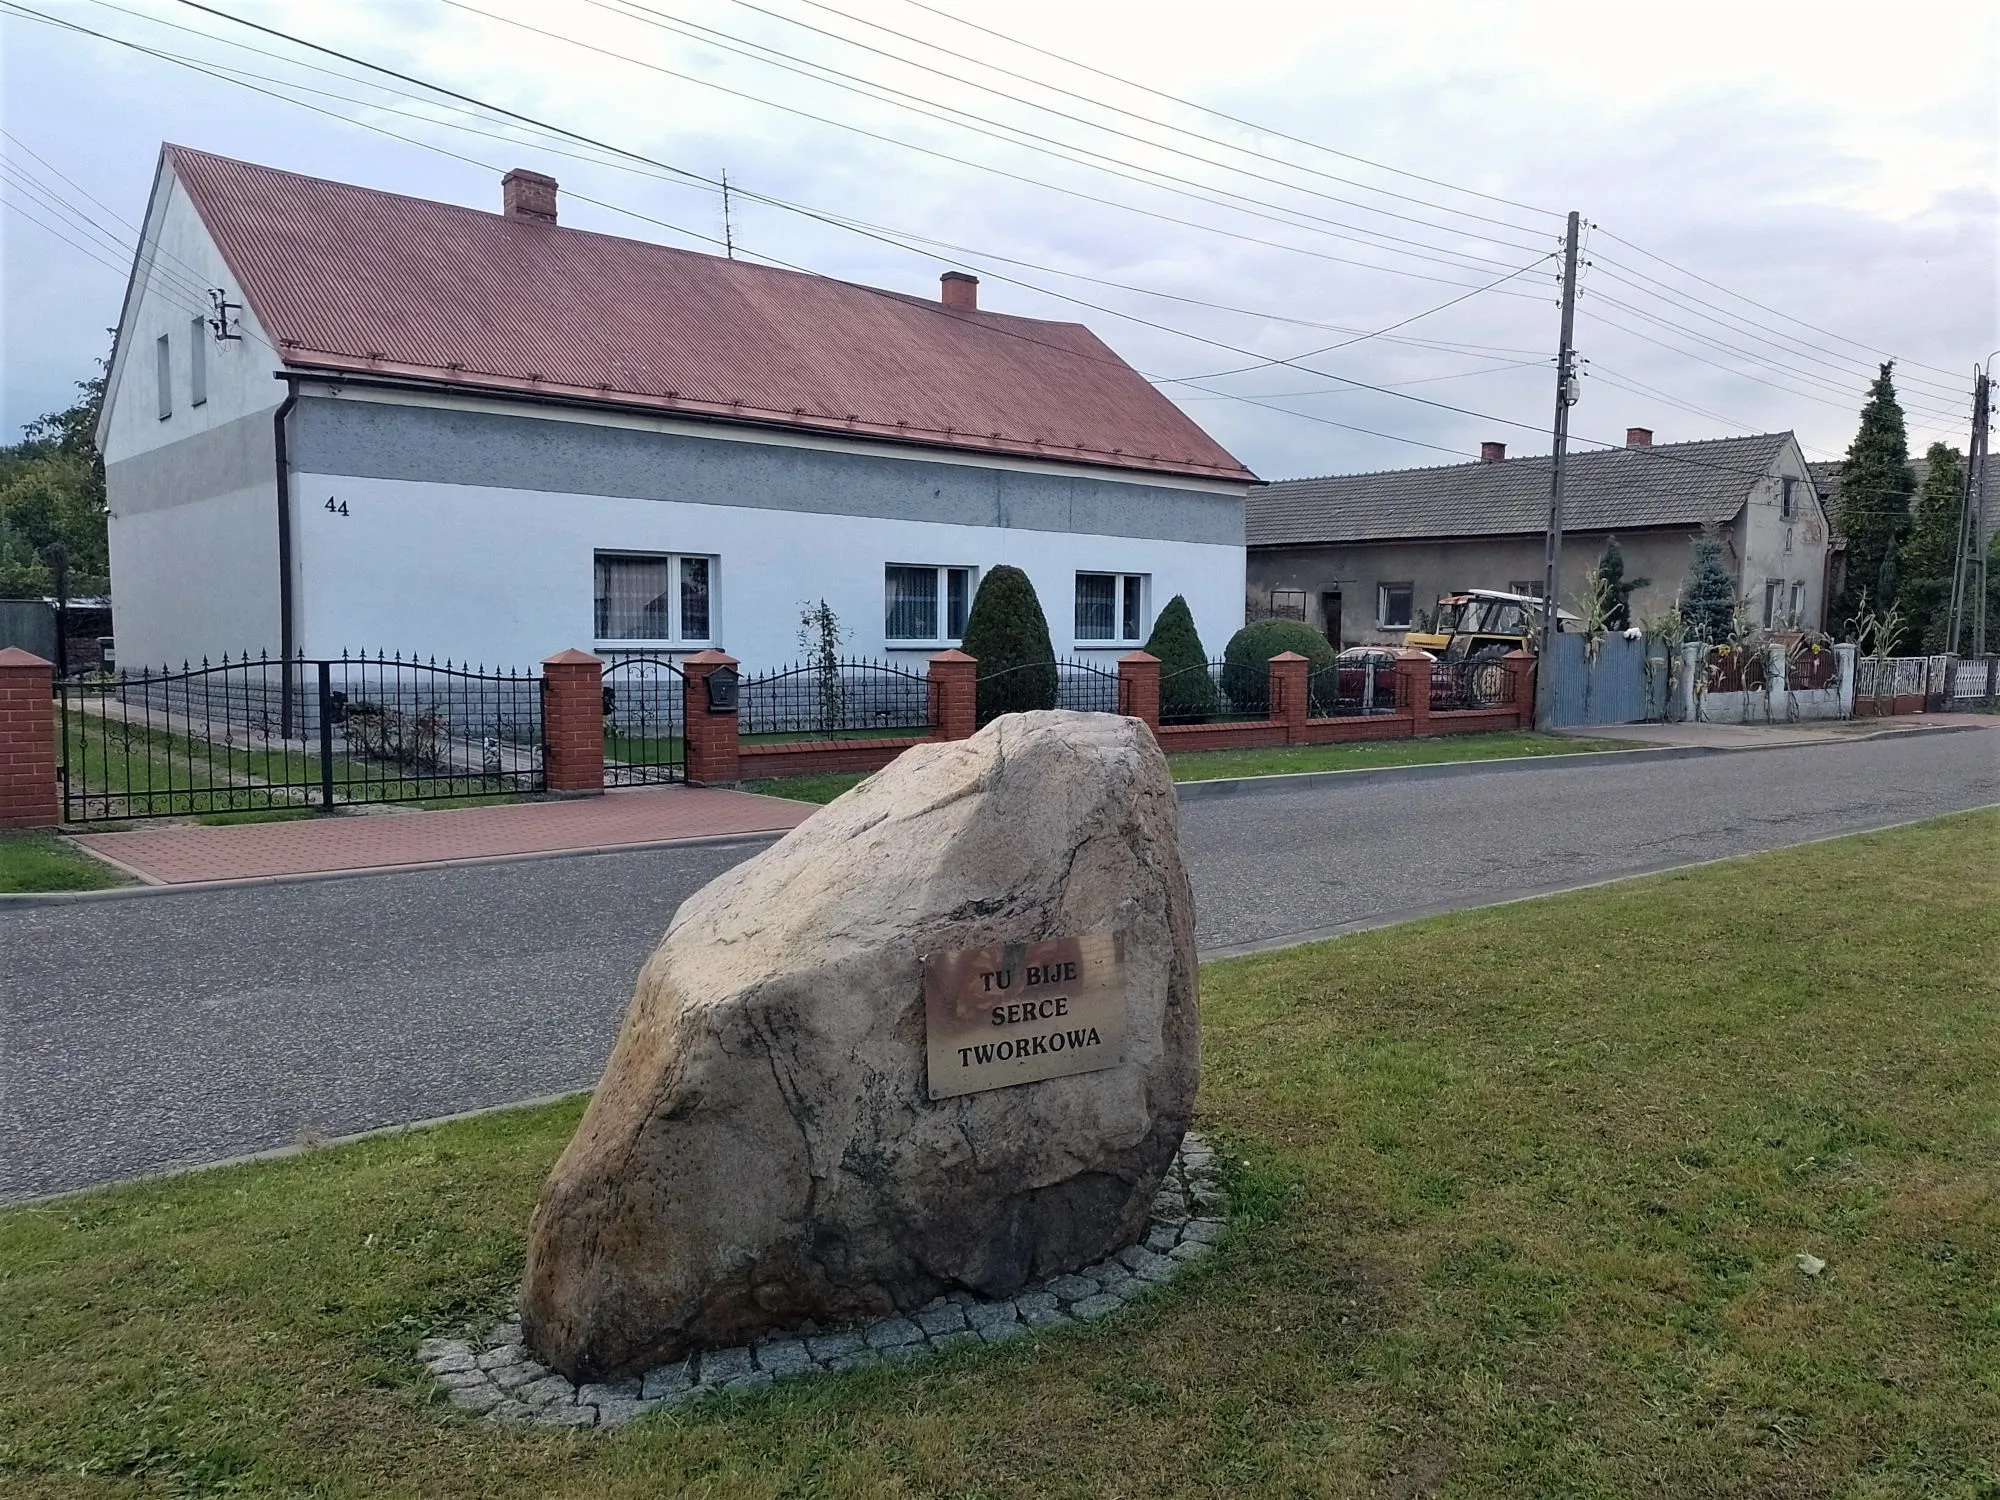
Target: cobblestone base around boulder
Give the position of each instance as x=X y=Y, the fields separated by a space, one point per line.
x=496 y=1377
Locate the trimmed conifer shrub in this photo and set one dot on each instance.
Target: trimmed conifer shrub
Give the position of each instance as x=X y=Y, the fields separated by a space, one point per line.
x=1187 y=691
x=1246 y=659
x=1008 y=634
x=1708 y=602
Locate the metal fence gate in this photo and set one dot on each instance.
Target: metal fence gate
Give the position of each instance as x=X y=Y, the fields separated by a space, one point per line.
x=264 y=735
x=1615 y=688
x=645 y=733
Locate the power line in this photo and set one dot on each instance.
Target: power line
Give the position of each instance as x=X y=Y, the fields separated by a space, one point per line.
x=1232 y=119
x=1762 y=307
x=1194 y=192
x=629 y=7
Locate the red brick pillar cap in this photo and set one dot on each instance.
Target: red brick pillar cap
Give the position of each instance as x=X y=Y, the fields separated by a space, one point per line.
x=14 y=656
x=1411 y=653
x=1139 y=658
x=572 y=658
x=709 y=659
x=1289 y=656
x=951 y=654
x=1519 y=651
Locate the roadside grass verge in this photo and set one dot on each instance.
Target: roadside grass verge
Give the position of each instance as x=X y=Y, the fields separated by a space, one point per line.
x=1290 y=760
x=43 y=862
x=1520 y=1195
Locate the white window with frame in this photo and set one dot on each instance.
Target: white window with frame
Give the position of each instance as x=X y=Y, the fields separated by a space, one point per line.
x=1798 y=602
x=1531 y=587
x=1774 y=598
x=655 y=599
x=1787 y=503
x=198 y=362
x=925 y=604
x=1111 y=607
x=163 y=374
x=1395 y=605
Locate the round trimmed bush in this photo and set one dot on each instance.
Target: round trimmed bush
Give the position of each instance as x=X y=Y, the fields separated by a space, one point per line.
x=1009 y=636
x=1246 y=659
x=1187 y=691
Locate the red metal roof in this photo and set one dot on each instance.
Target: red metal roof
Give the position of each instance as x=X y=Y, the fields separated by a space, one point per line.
x=350 y=278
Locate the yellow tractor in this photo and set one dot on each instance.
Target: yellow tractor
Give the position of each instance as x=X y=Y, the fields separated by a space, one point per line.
x=1483 y=624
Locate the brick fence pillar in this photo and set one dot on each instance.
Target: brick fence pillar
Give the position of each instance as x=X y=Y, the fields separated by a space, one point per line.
x=573 y=723
x=1139 y=688
x=1289 y=675
x=1520 y=669
x=712 y=755
x=28 y=795
x=1413 y=690
x=954 y=679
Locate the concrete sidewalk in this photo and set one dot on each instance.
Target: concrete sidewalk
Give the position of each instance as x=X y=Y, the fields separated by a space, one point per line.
x=250 y=851
x=1762 y=736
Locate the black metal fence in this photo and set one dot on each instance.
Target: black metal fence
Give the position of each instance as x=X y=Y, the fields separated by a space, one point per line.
x=1061 y=682
x=645 y=730
x=260 y=735
x=1480 y=682
x=838 y=700
x=1215 y=692
x=1351 y=688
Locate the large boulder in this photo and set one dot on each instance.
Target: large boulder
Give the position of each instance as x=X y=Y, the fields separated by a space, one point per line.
x=768 y=1145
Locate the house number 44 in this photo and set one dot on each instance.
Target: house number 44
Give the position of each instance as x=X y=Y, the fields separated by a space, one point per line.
x=336 y=507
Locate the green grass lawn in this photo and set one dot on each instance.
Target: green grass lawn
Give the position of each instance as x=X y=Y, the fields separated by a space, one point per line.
x=1212 y=765
x=1520 y=1191
x=43 y=862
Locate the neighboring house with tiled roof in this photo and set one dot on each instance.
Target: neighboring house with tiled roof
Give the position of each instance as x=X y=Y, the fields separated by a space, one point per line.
x=1362 y=556
x=427 y=427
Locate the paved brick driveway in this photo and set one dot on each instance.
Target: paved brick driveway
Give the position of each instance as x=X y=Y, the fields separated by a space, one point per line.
x=243 y=851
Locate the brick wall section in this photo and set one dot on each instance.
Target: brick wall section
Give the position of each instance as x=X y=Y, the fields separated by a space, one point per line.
x=1520 y=667
x=757 y=762
x=1256 y=734
x=28 y=793
x=714 y=755
x=573 y=723
x=954 y=686
x=1413 y=691
x=1288 y=676
x=1139 y=687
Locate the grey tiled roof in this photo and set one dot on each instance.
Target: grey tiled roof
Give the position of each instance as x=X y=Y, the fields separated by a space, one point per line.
x=1673 y=484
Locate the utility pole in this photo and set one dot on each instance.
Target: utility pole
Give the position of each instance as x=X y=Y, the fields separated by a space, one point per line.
x=1975 y=501
x=1566 y=394
x=1964 y=544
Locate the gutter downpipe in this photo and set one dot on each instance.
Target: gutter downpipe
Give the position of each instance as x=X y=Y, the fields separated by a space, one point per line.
x=287 y=643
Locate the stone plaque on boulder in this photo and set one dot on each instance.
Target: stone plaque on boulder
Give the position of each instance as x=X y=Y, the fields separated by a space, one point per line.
x=770 y=1142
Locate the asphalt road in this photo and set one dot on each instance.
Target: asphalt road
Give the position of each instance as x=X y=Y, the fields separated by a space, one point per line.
x=187 y=1026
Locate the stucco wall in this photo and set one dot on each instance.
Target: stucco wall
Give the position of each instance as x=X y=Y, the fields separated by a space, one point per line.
x=1786 y=551
x=1440 y=567
x=506 y=575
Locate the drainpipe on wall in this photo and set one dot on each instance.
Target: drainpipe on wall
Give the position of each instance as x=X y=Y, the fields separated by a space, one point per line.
x=286 y=642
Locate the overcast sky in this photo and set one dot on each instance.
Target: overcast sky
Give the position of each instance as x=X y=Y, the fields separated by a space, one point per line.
x=1835 y=164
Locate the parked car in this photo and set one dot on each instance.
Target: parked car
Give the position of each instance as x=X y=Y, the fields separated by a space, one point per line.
x=1351 y=679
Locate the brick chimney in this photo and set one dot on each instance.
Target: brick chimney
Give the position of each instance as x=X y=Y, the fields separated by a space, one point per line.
x=528 y=195
x=1492 y=453
x=959 y=292
x=1638 y=437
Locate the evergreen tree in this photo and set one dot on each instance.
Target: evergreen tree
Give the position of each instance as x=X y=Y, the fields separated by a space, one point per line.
x=1874 y=506
x=1008 y=634
x=1708 y=603
x=1931 y=548
x=1187 y=691
x=1246 y=659
x=1618 y=588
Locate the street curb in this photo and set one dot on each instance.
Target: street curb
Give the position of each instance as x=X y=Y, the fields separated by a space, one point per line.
x=1231 y=786
x=10 y=899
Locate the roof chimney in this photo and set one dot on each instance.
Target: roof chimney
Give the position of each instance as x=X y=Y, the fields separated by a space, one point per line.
x=1492 y=453
x=528 y=195
x=959 y=292
x=1638 y=437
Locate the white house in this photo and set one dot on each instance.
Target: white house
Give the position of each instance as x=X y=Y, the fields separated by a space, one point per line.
x=425 y=428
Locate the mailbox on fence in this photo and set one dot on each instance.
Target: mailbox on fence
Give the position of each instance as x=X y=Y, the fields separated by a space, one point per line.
x=722 y=684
